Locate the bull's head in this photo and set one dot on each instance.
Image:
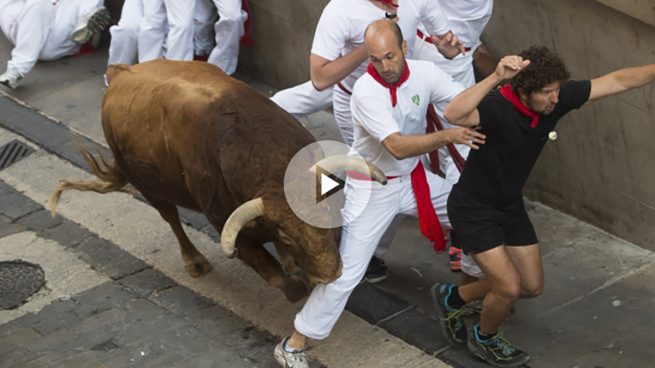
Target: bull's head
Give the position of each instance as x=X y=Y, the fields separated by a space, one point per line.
x=314 y=249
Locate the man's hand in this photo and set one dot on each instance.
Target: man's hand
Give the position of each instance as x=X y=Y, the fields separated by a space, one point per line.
x=448 y=45
x=509 y=66
x=467 y=136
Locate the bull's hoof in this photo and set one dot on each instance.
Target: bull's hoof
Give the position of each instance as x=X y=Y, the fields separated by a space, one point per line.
x=197 y=267
x=295 y=289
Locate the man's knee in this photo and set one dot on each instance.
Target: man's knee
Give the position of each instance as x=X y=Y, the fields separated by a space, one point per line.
x=532 y=290
x=509 y=289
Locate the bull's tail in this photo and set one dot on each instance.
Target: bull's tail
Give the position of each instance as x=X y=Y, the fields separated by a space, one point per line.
x=111 y=180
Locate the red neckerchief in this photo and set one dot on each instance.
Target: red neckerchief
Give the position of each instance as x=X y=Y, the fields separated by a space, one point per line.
x=388 y=2
x=512 y=97
x=427 y=217
x=392 y=87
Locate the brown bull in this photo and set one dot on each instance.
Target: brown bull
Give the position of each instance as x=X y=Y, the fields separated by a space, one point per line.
x=185 y=134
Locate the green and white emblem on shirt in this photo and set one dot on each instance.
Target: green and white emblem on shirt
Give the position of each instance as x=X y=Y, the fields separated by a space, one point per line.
x=416 y=100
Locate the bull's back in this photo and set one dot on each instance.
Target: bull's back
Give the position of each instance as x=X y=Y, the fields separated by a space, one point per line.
x=189 y=117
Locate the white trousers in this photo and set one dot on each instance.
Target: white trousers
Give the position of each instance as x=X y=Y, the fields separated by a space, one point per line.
x=229 y=30
x=303 y=99
x=176 y=16
x=40 y=29
x=123 y=47
x=359 y=238
x=203 y=20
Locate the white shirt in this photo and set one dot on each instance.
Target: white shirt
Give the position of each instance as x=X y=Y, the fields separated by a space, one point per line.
x=341 y=27
x=374 y=118
x=467 y=19
x=411 y=13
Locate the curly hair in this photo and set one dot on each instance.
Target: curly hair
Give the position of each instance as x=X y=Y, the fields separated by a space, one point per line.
x=545 y=68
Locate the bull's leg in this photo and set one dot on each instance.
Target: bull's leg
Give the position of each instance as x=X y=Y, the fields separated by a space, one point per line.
x=252 y=253
x=195 y=263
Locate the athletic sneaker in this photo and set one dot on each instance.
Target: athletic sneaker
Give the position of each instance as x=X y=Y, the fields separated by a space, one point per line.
x=10 y=79
x=376 y=271
x=94 y=23
x=455 y=255
x=287 y=359
x=451 y=320
x=497 y=351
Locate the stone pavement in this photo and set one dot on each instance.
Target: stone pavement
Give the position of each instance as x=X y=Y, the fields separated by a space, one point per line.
x=596 y=310
x=120 y=312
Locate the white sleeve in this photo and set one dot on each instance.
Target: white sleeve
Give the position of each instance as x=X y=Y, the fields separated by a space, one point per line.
x=432 y=16
x=442 y=87
x=375 y=115
x=330 y=36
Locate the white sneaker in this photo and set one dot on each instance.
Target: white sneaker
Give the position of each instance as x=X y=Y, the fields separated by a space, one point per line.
x=94 y=23
x=10 y=79
x=295 y=359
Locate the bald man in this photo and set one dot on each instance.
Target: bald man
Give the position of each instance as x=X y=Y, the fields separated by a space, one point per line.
x=389 y=104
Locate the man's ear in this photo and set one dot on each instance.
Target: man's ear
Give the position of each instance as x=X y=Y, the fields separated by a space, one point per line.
x=404 y=47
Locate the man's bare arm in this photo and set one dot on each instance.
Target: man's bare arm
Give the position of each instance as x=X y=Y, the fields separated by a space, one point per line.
x=404 y=146
x=621 y=81
x=462 y=110
x=326 y=73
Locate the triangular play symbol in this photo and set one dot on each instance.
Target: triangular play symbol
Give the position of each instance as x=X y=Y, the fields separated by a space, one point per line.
x=326 y=184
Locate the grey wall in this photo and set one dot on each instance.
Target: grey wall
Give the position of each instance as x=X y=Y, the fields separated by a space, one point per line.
x=284 y=30
x=600 y=169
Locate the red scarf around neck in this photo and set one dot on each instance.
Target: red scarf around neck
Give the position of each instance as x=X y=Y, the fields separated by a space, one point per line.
x=512 y=97
x=392 y=87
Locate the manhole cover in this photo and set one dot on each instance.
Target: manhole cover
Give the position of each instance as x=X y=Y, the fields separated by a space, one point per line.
x=18 y=281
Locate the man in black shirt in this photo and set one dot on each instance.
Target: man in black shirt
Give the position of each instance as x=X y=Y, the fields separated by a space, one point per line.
x=486 y=207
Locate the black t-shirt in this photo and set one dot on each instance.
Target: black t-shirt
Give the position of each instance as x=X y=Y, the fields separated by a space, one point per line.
x=497 y=171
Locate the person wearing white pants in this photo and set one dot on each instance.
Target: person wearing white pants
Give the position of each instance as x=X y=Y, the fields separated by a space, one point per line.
x=303 y=99
x=170 y=21
x=229 y=28
x=41 y=30
x=123 y=46
x=389 y=105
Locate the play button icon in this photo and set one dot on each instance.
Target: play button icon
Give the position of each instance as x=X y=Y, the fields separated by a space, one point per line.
x=326 y=184
x=315 y=183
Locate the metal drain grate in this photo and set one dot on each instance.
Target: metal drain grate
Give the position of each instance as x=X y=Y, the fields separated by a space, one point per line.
x=12 y=152
x=19 y=280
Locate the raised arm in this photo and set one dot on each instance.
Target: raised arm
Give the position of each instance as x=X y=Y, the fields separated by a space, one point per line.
x=325 y=73
x=621 y=81
x=462 y=110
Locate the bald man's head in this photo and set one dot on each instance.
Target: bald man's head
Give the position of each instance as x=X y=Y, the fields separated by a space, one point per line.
x=386 y=49
x=383 y=28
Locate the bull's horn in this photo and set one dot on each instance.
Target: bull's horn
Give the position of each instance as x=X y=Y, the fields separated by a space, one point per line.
x=340 y=163
x=238 y=219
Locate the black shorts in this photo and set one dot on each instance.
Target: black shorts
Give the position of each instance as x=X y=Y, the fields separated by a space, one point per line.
x=478 y=226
